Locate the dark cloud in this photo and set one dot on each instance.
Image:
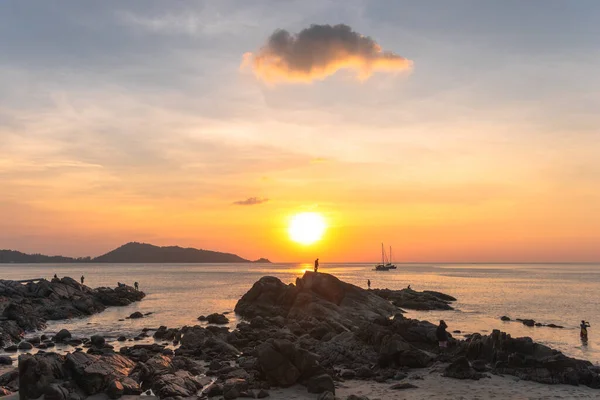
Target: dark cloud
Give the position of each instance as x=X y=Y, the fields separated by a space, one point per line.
x=250 y=201
x=318 y=52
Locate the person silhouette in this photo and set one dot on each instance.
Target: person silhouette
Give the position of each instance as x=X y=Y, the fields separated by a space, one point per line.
x=369 y=283
x=82 y=279
x=136 y=285
x=583 y=332
x=317 y=265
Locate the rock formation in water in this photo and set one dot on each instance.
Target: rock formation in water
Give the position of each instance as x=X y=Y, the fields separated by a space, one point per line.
x=27 y=307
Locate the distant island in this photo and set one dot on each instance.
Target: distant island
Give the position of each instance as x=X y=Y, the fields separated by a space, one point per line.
x=134 y=252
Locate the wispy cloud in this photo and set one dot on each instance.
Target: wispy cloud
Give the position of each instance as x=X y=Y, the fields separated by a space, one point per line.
x=318 y=52
x=250 y=201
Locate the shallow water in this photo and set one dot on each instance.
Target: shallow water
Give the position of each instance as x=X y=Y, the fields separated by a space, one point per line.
x=177 y=294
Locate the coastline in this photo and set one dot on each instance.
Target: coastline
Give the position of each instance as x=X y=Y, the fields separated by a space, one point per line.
x=334 y=313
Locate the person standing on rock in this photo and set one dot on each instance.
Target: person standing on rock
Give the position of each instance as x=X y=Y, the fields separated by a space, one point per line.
x=369 y=283
x=136 y=286
x=442 y=335
x=317 y=265
x=82 y=279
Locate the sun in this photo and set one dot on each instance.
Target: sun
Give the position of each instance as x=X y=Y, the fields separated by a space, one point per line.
x=307 y=227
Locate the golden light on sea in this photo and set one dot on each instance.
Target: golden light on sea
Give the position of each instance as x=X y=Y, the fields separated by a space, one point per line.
x=307 y=228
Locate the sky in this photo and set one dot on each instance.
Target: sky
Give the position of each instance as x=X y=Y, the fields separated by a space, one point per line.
x=456 y=131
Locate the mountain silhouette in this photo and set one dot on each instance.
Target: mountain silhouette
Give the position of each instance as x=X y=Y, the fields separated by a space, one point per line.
x=134 y=252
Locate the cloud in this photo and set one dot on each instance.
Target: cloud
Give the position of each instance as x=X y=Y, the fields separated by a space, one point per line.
x=250 y=201
x=318 y=52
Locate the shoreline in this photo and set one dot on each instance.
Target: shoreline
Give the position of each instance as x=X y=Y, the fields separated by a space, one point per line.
x=330 y=324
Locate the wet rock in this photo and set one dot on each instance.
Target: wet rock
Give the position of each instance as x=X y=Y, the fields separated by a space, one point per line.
x=411 y=299
x=11 y=348
x=355 y=397
x=505 y=318
x=5 y=360
x=218 y=319
x=62 y=335
x=5 y=392
x=25 y=346
x=136 y=315
x=320 y=383
x=10 y=380
x=121 y=338
x=213 y=390
x=97 y=340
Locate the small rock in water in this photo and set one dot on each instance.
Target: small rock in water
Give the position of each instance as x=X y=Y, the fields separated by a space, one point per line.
x=136 y=315
x=326 y=396
x=505 y=318
x=5 y=360
x=62 y=335
x=528 y=322
x=97 y=340
x=11 y=348
x=25 y=346
x=121 y=339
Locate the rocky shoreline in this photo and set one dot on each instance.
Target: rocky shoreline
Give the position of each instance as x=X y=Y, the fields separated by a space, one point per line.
x=27 y=307
x=318 y=332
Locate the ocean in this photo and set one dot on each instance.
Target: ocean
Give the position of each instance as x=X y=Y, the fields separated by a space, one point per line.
x=177 y=294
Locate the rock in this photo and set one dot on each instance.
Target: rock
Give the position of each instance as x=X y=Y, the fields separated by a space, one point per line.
x=4 y=392
x=317 y=296
x=528 y=322
x=262 y=394
x=283 y=363
x=408 y=298
x=37 y=372
x=402 y=386
x=121 y=338
x=213 y=390
x=461 y=369
x=5 y=360
x=97 y=340
x=479 y=365
x=11 y=348
x=180 y=383
x=555 y=326
x=355 y=397
x=55 y=392
x=505 y=318
x=115 y=389
x=93 y=373
x=62 y=335
x=25 y=346
x=218 y=319
x=326 y=396
x=136 y=315
x=320 y=383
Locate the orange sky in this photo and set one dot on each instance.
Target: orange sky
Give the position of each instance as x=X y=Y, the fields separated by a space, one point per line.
x=452 y=142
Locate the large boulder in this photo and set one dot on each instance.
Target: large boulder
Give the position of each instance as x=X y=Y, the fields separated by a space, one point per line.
x=316 y=296
x=411 y=299
x=37 y=372
x=93 y=373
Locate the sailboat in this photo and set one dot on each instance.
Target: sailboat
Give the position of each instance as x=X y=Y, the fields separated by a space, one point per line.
x=384 y=266
x=389 y=264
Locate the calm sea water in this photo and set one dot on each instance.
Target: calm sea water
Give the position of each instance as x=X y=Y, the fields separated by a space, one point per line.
x=178 y=293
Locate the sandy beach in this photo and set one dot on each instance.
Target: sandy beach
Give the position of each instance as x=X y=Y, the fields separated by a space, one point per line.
x=432 y=385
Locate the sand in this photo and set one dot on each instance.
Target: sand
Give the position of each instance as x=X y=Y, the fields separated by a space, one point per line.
x=432 y=385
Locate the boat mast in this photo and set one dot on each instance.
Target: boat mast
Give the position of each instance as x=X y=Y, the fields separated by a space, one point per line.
x=390 y=254
x=382 y=255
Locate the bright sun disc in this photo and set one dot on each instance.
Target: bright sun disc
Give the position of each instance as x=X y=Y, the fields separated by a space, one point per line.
x=306 y=228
